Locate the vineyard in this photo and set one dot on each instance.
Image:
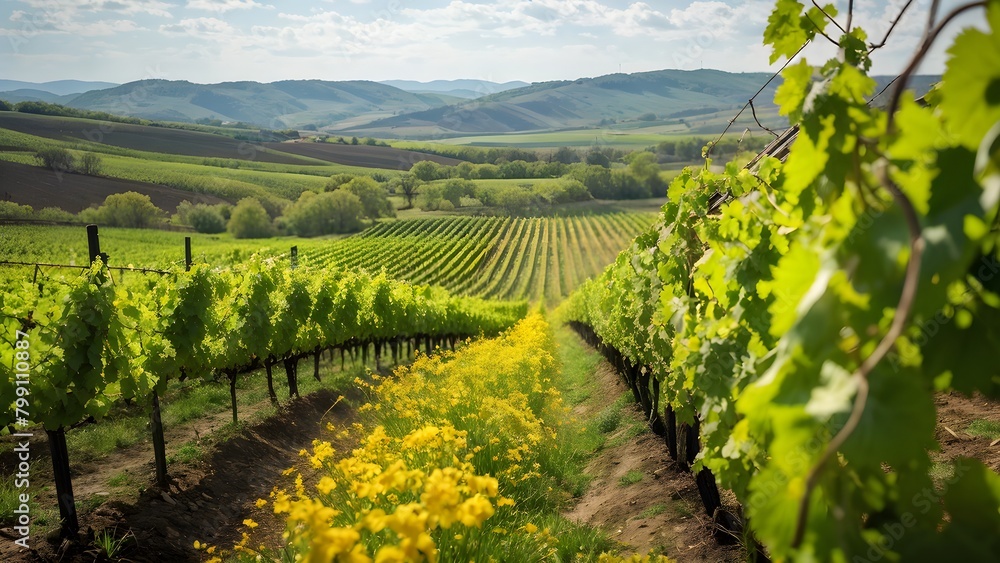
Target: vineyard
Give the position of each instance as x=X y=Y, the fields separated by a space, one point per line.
x=535 y=259
x=792 y=334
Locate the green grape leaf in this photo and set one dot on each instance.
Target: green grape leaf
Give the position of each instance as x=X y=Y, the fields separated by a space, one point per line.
x=897 y=425
x=970 y=90
x=791 y=95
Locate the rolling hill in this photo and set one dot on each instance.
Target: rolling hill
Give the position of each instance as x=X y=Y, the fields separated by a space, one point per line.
x=665 y=96
x=276 y=105
x=56 y=87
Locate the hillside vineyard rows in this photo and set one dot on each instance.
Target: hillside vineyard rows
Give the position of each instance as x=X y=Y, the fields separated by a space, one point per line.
x=535 y=259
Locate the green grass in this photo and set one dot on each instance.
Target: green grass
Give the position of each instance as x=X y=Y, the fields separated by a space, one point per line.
x=630 y=478
x=109 y=544
x=985 y=428
x=653 y=511
x=941 y=471
x=187 y=453
x=123 y=479
x=577 y=385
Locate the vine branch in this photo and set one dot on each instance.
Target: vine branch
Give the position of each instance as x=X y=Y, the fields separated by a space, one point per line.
x=759 y=124
x=820 y=30
x=892 y=26
x=829 y=17
x=919 y=56
x=910 y=282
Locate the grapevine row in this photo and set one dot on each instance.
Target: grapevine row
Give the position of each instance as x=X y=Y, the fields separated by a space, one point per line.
x=508 y=258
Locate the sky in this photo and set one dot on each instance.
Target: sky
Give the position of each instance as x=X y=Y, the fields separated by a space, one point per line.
x=208 y=41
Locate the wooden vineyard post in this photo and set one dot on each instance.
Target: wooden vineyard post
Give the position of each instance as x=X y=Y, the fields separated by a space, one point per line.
x=64 y=483
x=155 y=420
x=57 y=438
x=295 y=256
x=159 y=444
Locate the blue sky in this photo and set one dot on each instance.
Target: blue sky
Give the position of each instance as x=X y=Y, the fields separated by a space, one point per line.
x=533 y=40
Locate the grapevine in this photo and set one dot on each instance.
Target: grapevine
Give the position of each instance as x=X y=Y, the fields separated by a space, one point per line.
x=790 y=327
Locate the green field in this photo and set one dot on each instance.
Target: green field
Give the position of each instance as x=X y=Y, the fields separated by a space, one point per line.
x=141 y=248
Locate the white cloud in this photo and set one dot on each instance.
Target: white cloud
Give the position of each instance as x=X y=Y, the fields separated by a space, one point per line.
x=151 y=7
x=200 y=27
x=222 y=6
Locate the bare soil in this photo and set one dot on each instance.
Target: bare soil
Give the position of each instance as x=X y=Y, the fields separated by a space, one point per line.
x=955 y=413
x=361 y=155
x=142 y=137
x=662 y=511
x=40 y=187
x=207 y=500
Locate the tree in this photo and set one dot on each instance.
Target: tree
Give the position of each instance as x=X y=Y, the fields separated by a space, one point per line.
x=90 y=164
x=250 y=220
x=454 y=189
x=431 y=197
x=566 y=155
x=596 y=179
x=563 y=190
x=56 y=158
x=337 y=180
x=326 y=213
x=374 y=198
x=514 y=199
x=129 y=209
x=598 y=158
x=426 y=171
x=407 y=185
x=4 y=106
x=516 y=169
x=646 y=170
x=206 y=219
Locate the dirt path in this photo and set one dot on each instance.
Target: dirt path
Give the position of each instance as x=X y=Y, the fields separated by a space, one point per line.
x=955 y=413
x=207 y=500
x=661 y=511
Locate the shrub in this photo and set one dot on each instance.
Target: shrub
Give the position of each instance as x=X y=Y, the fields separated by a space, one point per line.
x=561 y=191
x=337 y=180
x=374 y=198
x=129 y=209
x=314 y=214
x=56 y=158
x=90 y=164
x=250 y=220
x=206 y=219
x=454 y=189
x=55 y=214
x=431 y=197
x=11 y=210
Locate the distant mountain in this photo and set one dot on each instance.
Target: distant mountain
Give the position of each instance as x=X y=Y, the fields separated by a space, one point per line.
x=31 y=95
x=289 y=103
x=705 y=97
x=57 y=87
x=463 y=88
x=585 y=102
